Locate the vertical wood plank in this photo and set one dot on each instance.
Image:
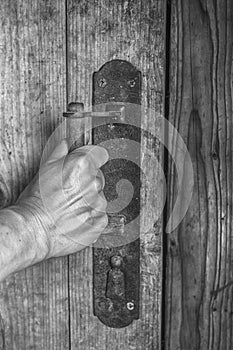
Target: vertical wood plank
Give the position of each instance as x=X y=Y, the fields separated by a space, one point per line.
x=33 y=303
x=199 y=264
x=99 y=31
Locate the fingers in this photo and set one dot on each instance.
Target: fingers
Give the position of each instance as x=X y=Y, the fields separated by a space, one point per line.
x=81 y=177
x=81 y=169
x=99 y=205
x=100 y=181
x=93 y=154
x=93 y=195
x=92 y=184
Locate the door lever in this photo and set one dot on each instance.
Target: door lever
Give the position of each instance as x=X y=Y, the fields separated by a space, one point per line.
x=116 y=262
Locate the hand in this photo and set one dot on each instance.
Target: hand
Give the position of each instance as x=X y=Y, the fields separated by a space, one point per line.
x=66 y=200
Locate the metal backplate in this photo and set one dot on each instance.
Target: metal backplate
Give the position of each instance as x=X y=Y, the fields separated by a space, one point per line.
x=116 y=267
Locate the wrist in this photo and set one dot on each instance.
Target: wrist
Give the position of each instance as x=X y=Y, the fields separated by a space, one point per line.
x=22 y=239
x=35 y=226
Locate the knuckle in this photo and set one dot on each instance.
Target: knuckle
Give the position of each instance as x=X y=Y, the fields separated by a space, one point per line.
x=79 y=159
x=82 y=161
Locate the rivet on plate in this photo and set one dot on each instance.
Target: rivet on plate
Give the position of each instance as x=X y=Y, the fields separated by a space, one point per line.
x=132 y=83
x=102 y=82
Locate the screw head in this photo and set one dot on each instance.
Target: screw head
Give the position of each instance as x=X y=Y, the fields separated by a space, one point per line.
x=132 y=83
x=111 y=126
x=102 y=82
x=130 y=305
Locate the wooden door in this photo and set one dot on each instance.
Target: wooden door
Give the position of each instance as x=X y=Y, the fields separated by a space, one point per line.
x=199 y=260
x=49 y=51
x=34 y=302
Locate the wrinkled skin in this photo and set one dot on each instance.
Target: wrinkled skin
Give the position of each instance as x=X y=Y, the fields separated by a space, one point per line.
x=66 y=198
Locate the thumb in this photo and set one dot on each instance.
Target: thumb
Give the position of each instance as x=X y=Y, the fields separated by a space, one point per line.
x=60 y=151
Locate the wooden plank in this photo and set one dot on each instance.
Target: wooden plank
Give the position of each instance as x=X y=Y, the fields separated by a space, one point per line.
x=99 y=31
x=199 y=272
x=34 y=302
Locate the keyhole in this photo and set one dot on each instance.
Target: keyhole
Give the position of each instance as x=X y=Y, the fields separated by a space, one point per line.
x=116 y=279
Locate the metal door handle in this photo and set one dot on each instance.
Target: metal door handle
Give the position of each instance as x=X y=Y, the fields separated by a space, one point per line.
x=116 y=272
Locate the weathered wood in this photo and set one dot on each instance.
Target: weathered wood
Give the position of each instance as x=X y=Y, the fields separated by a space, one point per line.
x=34 y=302
x=199 y=264
x=99 y=31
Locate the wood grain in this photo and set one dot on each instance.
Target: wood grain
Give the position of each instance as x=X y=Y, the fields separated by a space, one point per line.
x=99 y=31
x=199 y=263
x=33 y=303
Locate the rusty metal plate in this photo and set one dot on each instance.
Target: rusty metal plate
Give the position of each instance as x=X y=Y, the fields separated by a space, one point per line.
x=116 y=267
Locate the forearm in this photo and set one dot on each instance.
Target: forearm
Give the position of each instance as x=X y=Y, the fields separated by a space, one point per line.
x=30 y=232
x=20 y=244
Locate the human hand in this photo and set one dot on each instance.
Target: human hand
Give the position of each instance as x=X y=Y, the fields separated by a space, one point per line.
x=66 y=200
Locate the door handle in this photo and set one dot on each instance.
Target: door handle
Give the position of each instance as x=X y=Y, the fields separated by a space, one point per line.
x=116 y=259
